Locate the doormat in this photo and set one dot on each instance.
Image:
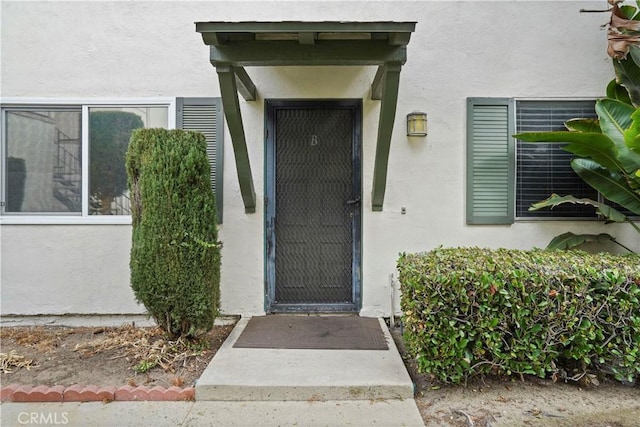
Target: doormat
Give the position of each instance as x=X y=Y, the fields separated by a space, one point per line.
x=313 y=332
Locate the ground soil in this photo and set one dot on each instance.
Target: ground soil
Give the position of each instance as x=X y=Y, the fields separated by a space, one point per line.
x=528 y=401
x=117 y=356
x=127 y=355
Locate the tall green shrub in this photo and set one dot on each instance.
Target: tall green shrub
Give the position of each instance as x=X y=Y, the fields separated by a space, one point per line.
x=175 y=253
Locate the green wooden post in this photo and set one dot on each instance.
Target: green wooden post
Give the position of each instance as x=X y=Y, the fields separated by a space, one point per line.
x=231 y=106
x=391 y=81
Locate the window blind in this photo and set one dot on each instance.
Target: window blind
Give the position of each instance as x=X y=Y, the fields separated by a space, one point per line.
x=544 y=168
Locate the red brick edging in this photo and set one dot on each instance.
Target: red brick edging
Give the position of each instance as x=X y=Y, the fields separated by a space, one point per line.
x=92 y=393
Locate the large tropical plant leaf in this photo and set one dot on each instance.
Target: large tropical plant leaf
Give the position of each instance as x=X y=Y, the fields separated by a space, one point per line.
x=596 y=146
x=583 y=125
x=629 y=12
x=570 y=240
x=624 y=40
x=614 y=117
x=628 y=75
x=635 y=54
x=607 y=212
x=611 y=185
x=632 y=139
x=619 y=92
x=631 y=160
x=632 y=134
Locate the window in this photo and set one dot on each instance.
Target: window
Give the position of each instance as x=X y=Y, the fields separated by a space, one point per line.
x=109 y=133
x=66 y=162
x=505 y=177
x=43 y=160
x=544 y=169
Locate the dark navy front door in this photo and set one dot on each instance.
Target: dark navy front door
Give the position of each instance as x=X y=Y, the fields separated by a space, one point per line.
x=313 y=205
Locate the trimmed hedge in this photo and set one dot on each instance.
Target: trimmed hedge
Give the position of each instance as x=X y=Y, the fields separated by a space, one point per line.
x=175 y=253
x=471 y=311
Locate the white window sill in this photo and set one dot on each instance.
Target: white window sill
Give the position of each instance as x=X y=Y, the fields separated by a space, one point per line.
x=66 y=220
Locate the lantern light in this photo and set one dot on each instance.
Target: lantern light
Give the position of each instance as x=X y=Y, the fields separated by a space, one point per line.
x=417 y=124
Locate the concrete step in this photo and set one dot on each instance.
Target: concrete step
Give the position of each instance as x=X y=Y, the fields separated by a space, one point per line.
x=247 y=374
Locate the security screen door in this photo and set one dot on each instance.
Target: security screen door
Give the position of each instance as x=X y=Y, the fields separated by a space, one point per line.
x=313 y=205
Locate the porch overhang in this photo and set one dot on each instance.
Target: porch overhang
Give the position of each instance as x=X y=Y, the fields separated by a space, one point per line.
x=235 y=45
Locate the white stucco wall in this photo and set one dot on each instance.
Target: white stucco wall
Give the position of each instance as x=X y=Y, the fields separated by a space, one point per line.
x=150 y=49
x=61 y=269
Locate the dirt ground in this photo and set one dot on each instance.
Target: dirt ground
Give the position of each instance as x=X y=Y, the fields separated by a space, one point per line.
x=127 y=355
x=142 y=356
x=499 y=401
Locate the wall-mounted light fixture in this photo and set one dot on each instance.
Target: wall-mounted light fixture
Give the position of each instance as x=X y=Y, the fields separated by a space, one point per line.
x=417 y=123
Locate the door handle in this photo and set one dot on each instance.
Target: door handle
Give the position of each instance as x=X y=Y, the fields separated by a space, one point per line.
x=353 y=202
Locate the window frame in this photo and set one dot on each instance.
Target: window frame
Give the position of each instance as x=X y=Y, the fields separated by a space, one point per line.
x=475 y=189
x=515 y=174
x=84 y=104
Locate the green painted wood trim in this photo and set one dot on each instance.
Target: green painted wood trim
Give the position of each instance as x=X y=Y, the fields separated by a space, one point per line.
x=231 y=106
x=491 y=161
x=391 y=82
x=300 y=26
x=399 y=39
x=245 y=86
x=235 y=45
x=307 y=38
x=214 y=39
x=329 y=52
x=376 y=86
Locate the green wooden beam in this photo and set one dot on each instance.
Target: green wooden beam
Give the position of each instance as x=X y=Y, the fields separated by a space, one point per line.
x=234 y=45
x=399 y=39
x=290 y=52
x=217 y=39
x=246 y=88
x=231 y=106
x=305 y=26
x=213 y=39
x=376 y=86
x=307 y=38
x=390 y=84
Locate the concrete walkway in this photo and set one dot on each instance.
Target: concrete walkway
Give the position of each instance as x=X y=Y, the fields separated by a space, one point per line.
x=260 y=387
x=273 y=413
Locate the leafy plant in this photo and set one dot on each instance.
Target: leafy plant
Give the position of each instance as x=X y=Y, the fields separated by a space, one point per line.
x=624 y=47
x=175 y=252
x=144 y=366
x=609 y=158
x=570 y=240
x=562 y=315
x=608 y=148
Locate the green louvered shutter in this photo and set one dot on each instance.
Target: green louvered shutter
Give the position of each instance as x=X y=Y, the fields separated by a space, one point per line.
x=205 y=115
x=490 y=161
